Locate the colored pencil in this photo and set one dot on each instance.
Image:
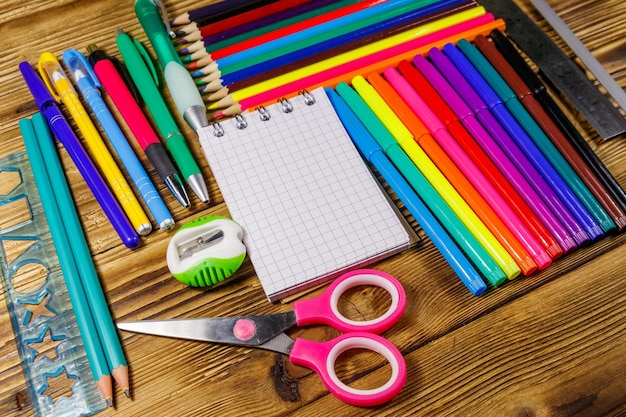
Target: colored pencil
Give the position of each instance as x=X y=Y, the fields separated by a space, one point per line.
x=201 y=52
x=216 y=54
x=217 y=11
x=541 y=93
x=325 y=31
x=503 y=104
x=353 y=61
x=258 y=23
x=565 y=152
x=341 y=44
x=193 y=32
x=501 y=172
x=372 y=151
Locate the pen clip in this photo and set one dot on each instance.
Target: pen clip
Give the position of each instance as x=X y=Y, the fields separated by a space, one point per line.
x=148 y=60
x=75 y=61
x=46 y=58
x=121 y=69
x=166 y=21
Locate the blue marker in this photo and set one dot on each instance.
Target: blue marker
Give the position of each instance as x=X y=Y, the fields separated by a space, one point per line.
x=374 y=154
x=88 y=84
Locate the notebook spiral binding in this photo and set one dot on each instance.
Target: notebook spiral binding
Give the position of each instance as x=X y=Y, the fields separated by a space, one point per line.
x=285 y=105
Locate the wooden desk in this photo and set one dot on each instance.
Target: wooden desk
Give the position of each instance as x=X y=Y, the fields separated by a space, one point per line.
x=553 y=344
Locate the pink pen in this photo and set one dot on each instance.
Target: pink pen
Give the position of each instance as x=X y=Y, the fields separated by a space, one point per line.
x=115 y=86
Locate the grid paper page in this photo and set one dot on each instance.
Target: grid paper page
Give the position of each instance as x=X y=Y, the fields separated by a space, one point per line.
x=309 y=206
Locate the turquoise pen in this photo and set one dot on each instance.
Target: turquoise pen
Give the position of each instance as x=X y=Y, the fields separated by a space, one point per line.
x=143 y=74
x=88 y=85
x=181 y=86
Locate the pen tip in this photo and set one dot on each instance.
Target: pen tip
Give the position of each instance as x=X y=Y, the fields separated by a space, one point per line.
x=176 y=187
x=197 y=184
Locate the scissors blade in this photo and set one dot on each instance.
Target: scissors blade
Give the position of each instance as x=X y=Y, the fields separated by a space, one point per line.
x=240 y=330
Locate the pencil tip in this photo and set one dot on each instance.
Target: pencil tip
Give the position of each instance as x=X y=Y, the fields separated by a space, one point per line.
x=109 y=402
x=127 y=392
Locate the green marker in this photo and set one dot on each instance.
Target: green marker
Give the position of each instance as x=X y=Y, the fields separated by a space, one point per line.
x=144 y=76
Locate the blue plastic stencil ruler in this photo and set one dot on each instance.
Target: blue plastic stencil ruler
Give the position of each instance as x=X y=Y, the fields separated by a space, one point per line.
x=46 y=333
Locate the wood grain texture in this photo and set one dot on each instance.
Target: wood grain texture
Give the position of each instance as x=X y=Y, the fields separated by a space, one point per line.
x=552 y=344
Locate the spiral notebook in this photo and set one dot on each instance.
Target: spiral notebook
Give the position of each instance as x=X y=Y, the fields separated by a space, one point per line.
x=309 y=206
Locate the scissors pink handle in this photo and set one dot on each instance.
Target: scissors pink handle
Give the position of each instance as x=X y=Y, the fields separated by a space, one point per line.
x=324 y=308
x=321 y=357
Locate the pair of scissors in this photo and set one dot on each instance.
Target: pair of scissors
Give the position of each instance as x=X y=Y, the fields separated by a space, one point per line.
x=267 y=332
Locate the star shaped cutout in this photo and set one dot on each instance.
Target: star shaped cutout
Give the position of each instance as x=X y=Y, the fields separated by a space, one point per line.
x=37 y=307
x=57 y=384
x=45 y=344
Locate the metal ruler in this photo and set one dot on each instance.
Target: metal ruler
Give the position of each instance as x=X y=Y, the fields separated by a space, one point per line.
x=562 y=72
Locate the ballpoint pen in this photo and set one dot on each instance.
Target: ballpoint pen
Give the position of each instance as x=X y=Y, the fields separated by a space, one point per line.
x=89 y=85
x=61 y=88
x=117 y=89
x=49 y=107
x=142 y=71
x=181 y=86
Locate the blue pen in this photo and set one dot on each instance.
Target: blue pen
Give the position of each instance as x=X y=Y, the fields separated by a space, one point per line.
x=374 y=154
x=48 y=106
x=89 y=86
x=502 y=114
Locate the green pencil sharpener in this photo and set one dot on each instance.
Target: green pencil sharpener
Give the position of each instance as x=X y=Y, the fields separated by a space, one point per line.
x=206 y=251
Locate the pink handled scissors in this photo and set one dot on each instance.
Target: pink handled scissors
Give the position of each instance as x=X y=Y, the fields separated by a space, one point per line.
x=267 y=332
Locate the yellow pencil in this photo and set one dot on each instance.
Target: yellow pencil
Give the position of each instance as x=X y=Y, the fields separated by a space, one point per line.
x=422 y=161
x=357 y=53
x=62 y=89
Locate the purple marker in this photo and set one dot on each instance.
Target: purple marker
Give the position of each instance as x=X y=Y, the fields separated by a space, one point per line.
x=498 y=100
x=64 y=133
x=561 y=200
x=499 y=158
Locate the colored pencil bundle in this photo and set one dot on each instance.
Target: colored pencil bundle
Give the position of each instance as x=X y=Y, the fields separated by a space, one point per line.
x=450 y=103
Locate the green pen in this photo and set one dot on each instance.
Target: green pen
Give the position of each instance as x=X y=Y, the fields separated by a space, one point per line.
x=143 y=74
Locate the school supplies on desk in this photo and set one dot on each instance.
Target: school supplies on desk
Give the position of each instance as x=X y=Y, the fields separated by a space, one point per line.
x=89 y=86
x=308 y=205
x=180 y=84
x=47 y=105
x=142 y=71
x=60 y=87
x=139 y=125
x=267 y=332
x=92 y=314
x=27 y=246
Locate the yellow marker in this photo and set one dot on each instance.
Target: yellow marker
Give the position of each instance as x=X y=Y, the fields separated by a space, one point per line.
x=63 y=91
x=405 y=139
x=357 y=53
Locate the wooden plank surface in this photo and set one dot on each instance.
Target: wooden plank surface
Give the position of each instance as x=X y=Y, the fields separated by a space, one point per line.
x=553 y=344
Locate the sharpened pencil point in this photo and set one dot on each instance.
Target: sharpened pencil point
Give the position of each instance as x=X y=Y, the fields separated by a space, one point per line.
x=127 y=392
x=109 y=402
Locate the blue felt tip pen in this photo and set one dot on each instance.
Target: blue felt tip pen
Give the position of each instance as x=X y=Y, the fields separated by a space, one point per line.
x=375 y=155
x=89 y=85
x=48 y=106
